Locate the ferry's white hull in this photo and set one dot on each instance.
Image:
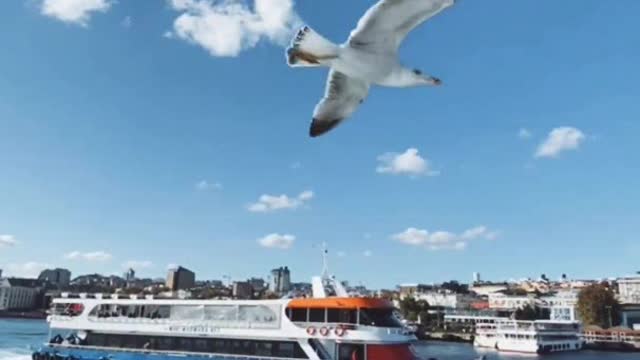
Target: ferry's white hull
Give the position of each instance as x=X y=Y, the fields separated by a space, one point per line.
x=484 y=342
x=527 y=346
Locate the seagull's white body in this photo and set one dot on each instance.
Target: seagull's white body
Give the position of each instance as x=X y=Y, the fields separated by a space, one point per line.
x=369 y=57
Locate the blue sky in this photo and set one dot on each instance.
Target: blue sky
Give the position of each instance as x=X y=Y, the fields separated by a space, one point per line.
x=148 y=132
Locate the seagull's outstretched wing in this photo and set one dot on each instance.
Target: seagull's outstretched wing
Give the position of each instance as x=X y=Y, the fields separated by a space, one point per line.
x=385 y=25
x=342 y=96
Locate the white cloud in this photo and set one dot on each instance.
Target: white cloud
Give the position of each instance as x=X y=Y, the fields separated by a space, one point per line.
x=443 y=240
x=479 y=232
x=269 y=203
x=412 y=236
x=137 y=264
x=94 y=256
x=408 y=163
x=524 y=133
x=277 y=241
x=205 y=185
x=367 y=253
x=74 y=11
x=226 y=28
x=29 y=269
x=341 y=254
x=7 y=240
x=560 y=139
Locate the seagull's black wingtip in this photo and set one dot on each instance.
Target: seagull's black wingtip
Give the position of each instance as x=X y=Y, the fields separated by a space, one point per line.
x=321 y=127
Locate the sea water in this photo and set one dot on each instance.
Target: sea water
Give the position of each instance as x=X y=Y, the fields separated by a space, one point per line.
x=18 y=337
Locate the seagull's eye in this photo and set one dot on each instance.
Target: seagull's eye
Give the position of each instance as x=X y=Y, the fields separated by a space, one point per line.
x=417 y=72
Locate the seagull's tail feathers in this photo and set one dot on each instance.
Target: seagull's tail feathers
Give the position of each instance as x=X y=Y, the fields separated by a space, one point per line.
x=310 y=49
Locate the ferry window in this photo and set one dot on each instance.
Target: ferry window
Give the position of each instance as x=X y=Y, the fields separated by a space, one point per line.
x=96 y=340
x=285 y=350
x=114 y=341
x=379 y=317
x=129 y=342
x=348 y=317
x=236 y=347
x=316 y=315
x=299 y=315
x=201 y=345
x=248 y=347
x=165 y=343
x=220 y=346
x=264 y=349
x=333 y=316
x=185 y=344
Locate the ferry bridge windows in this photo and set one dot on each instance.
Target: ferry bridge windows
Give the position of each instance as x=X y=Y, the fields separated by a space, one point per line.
x=298 y=315
x=317 y=315
x=378 y=317
x=342 y=316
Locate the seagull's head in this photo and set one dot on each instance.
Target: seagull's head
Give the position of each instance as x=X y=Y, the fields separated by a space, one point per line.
x=419 y=78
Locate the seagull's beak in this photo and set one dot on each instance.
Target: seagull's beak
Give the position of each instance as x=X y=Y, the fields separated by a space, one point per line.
x=431 y=80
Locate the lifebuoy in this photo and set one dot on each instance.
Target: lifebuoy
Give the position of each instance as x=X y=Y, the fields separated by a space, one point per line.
x=324 y=331
x=311 y=330
x=340 y=331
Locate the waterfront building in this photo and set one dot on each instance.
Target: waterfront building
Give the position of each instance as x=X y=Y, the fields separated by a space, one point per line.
x=242 y=290
x=19 y=294
x=281 y=280
x=57 y=277
x=258 y=284
x=561 y=305
x=540 y=286
x=476 y=277
x=630 y=316
x=411 y=290
x=130 y=275
x=98 y=280
x=629 y=289
x=486 y=288
x=445 y=299
x=501 y=301
x=180 y=279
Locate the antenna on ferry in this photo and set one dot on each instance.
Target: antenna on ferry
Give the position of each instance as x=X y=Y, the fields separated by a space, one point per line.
x=325 y=261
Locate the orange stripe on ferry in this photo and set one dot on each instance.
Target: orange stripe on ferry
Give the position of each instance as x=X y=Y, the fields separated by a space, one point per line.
x=340 y=303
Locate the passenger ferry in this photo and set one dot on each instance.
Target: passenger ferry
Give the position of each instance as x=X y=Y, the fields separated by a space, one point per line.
x=537 y=337
x=321 y=327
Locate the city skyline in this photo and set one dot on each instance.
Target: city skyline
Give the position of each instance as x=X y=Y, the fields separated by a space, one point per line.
x=128 y=138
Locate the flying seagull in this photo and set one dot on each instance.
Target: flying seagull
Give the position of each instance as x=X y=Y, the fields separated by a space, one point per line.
x=369 y=57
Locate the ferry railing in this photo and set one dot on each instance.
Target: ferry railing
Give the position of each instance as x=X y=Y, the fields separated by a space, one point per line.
x=227 y=324
x=356 y=327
